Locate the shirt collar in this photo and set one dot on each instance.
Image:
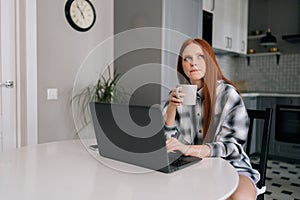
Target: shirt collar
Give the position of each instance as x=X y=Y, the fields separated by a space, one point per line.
x=200 y=93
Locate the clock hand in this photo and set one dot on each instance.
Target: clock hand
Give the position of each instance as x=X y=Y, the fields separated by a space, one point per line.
x=80 y=10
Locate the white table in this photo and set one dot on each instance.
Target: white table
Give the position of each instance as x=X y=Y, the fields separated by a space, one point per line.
x=66 y=170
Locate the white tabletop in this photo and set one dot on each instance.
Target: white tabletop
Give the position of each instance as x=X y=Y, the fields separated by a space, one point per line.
x=66 y=170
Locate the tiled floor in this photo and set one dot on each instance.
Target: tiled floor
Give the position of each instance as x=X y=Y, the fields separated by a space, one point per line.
x=283 y=181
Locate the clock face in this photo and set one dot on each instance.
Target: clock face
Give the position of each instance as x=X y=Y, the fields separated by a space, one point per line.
x=80 y=14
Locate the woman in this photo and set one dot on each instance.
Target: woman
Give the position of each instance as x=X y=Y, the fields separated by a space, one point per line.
x=217 y=125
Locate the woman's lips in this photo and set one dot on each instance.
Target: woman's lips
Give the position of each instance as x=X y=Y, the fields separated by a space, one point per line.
x=195 y=70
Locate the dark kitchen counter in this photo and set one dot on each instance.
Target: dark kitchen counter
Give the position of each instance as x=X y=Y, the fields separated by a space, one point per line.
x=267 y=94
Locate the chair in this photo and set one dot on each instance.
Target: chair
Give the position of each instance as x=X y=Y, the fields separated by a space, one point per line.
x=259 y=160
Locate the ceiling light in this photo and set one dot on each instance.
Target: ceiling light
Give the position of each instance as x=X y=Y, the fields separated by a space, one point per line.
x=269 y=39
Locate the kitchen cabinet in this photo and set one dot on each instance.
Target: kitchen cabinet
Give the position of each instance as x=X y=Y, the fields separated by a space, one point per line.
x=242 y=40
x=230 y=24
x=250 y=102
x=258 y=103
x=209 y=5
x=266 y=102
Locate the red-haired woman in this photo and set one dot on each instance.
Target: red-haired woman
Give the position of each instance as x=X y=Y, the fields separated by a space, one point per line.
x=217 y=125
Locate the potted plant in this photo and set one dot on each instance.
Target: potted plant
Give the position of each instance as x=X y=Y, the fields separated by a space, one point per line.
x=104 y=90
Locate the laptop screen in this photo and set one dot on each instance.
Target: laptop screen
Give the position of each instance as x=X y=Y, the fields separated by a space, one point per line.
x=133 y=134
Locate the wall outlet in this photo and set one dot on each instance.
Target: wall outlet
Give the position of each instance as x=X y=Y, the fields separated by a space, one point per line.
x=52 y=94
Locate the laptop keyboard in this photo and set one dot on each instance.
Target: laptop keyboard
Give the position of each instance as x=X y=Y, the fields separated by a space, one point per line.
x=177 y=159
x=179 y=162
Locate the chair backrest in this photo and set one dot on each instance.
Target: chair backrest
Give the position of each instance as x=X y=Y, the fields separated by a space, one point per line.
x=266 y=116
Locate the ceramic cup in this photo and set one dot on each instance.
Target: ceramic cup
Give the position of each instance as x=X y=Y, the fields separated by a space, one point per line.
x=189 y=94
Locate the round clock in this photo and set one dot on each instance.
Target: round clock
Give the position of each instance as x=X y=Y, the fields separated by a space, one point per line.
x=80 y=14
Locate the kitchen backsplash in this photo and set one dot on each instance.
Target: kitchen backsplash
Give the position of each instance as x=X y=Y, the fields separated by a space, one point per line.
x=263 y=74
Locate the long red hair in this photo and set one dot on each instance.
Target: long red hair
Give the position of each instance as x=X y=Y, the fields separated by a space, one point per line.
x=212 y=75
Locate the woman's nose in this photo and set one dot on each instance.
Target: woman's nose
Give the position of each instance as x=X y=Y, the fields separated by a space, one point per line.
x=193 y=63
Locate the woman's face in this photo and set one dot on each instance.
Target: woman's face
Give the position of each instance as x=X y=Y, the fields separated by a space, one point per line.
x=193 y=62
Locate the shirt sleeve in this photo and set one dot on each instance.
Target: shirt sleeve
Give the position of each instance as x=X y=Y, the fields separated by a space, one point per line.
x=232 y=134
x=170 y=130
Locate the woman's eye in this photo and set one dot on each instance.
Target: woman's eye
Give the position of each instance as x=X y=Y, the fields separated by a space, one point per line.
x=201 y=56
x=188 y=59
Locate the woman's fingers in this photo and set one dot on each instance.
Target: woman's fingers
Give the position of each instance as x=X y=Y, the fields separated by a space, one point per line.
x=178 y=95
x=174 y=98
x=173 y=144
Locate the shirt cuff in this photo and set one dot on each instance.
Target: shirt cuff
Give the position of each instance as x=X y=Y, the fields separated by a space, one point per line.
x=170 y=127
x=170 y=131
x=212 y=148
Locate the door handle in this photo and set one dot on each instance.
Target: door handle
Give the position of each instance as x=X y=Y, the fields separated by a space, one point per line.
x=243 y=45
x=8 y=84
x=227 y=42
x=230 y=42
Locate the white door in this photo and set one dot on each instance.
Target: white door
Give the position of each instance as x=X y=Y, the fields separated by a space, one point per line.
x=8 y=131
x=18 y=63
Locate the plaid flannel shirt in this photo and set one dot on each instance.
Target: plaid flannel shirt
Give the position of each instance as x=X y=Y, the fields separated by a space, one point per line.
x=230 y=128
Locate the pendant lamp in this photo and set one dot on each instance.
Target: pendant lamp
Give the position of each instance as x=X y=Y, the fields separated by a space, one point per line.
x=269 y=39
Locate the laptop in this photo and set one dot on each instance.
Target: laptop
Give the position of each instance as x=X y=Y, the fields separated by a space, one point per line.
x=135 y=134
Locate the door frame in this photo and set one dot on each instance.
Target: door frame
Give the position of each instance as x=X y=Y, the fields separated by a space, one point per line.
x=30 y=136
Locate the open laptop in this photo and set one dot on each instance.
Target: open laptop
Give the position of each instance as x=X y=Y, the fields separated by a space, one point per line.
x=135 y=135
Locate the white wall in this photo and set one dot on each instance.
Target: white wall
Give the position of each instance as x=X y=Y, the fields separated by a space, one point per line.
x=60 y=51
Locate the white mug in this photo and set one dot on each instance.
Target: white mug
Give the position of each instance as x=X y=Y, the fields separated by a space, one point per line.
x=189 y=94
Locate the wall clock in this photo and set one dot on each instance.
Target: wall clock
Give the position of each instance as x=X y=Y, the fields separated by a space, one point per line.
x=80 y=14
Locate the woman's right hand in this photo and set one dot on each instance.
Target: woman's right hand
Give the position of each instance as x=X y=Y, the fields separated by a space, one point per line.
x=174 y=100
